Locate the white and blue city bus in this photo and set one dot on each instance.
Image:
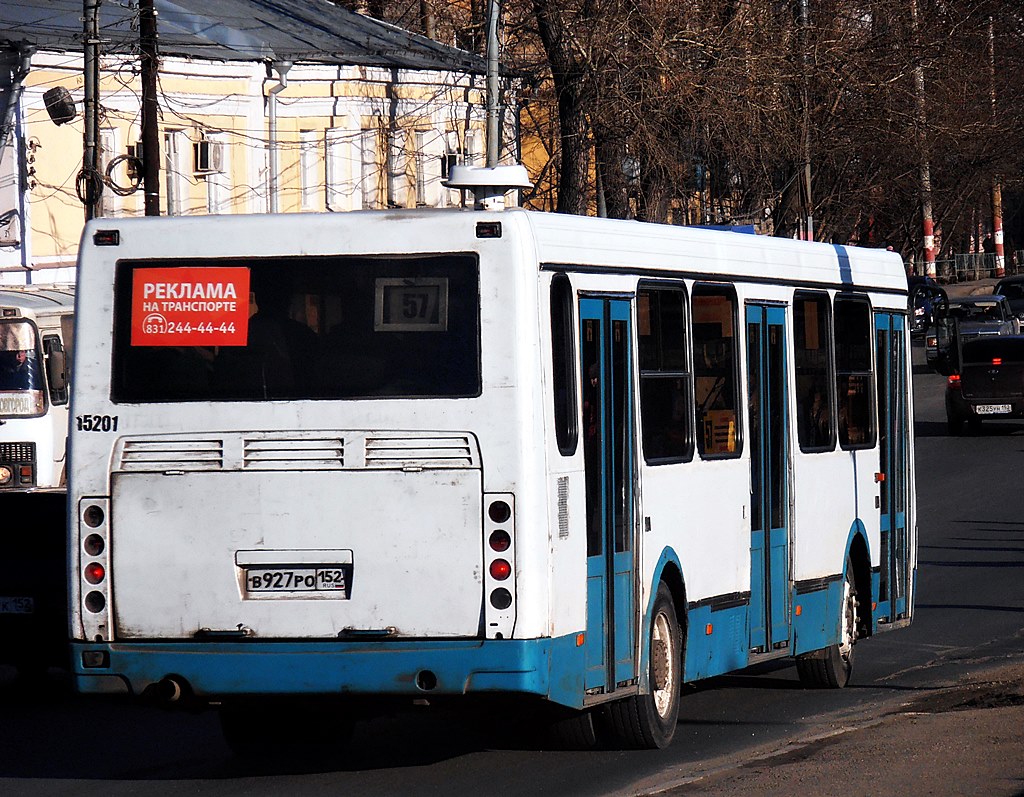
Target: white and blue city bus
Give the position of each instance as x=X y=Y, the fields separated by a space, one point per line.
x=36 y=325
x=414 y=454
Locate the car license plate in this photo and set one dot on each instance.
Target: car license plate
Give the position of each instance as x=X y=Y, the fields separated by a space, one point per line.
x=992 y=409
x=296 y=579
x=17 y=605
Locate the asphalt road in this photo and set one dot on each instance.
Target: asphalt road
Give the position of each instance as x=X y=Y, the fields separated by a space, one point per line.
x=970 y=616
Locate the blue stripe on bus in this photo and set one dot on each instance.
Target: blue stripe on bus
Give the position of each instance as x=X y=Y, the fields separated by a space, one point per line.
x=845 y=269
x=549 y=668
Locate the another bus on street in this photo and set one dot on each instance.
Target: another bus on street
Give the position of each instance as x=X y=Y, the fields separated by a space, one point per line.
x=36 y=325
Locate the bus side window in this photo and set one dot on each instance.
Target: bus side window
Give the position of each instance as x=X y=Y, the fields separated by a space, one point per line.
x=715 y=371
x=854 y=375
x=563 y=365
x=666 y=408
x=813 y=358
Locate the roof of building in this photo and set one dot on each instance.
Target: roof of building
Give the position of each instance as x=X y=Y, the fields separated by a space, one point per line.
x=310 y=31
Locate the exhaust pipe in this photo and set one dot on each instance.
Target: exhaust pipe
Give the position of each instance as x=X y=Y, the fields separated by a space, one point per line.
x=169 y=689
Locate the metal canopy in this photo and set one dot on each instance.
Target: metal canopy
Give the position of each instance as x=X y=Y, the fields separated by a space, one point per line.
x=309 y=31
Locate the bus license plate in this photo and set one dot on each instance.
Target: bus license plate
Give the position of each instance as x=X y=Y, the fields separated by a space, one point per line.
x=16 y=605
x=992 y=409
x=295 y=579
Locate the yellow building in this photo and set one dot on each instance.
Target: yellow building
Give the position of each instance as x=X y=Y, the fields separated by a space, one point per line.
x=374 y=127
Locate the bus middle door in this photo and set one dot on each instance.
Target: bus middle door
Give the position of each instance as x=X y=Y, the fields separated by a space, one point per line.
x=769 y=478
x=608 y=435
x=894 y=576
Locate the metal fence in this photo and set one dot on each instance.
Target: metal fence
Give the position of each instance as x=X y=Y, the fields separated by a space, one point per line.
x=973 y=267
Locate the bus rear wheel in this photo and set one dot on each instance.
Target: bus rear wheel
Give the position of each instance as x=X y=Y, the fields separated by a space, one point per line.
x=648 y=721
x=831 y=668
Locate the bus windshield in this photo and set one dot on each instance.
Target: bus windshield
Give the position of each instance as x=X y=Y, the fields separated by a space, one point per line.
x=299 y=328
x=21 y=373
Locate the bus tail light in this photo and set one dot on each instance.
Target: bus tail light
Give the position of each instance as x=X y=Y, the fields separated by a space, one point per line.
x=500 y=569
x=94 y=567
x=953 y=382
x=94 y=572
x=500 y=566
x=500 y=541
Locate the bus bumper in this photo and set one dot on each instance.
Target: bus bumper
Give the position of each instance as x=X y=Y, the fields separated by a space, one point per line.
x=549 y=668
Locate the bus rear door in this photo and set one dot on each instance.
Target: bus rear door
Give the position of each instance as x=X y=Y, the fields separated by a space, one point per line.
x=608 y=426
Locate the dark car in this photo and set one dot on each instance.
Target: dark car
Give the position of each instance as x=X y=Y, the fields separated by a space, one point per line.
x=964 y=318
x=989 y=384
x=1013 y=289
x=924 y=294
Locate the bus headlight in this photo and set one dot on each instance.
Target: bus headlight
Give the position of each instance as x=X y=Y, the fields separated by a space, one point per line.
x=6 y=475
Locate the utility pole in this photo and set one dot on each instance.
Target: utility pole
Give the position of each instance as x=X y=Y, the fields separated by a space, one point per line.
x=90 y=182
x=150 y=108
x=493 y=106
x=808 y=202
x=997 y=190
x=924 y=165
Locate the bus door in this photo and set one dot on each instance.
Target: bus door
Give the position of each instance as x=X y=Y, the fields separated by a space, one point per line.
x=894 y=578
x=769 y=478
x=608 y=433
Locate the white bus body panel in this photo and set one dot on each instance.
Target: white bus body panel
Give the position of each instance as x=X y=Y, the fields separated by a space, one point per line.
x=391 y=524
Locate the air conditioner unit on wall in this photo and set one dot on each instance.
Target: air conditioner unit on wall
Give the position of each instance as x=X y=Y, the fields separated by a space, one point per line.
x=208 y=156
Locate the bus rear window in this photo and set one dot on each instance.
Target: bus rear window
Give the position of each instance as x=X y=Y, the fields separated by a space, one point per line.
x=303 y=328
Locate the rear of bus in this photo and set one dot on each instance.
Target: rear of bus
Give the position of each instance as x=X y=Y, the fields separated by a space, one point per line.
x=308 y=445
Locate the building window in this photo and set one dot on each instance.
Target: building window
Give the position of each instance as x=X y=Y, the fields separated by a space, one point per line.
x=218 y=181
x=398 y=164
x=423 y=162
x=309 y=169
x=666 y=412
x=176 y=149
x=109 y=201
x=369 y=181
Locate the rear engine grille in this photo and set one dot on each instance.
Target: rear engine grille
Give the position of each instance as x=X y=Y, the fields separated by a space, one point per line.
x=440 y=451
x=163 y=455
x=294 y=453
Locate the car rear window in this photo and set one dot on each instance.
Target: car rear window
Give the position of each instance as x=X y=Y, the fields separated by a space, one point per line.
x=1011 y=290
x=1009 y=349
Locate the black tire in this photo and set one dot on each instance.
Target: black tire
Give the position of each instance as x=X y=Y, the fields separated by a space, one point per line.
x=648 y=721
x=954 y=424
x=831 y=668
x=575 y=730
x=974 y=425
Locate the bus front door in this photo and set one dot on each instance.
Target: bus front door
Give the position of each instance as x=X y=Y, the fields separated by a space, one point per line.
x=608 y=434
x=769 y=478
x=894 y=575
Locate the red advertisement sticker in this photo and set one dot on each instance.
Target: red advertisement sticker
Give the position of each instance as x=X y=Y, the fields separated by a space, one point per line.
x=190 y=306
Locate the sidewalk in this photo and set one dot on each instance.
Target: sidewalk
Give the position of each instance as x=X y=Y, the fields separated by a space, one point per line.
x=957 y=289
x=963 y=739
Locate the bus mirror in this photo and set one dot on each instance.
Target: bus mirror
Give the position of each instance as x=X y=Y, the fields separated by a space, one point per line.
x=56 y=374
